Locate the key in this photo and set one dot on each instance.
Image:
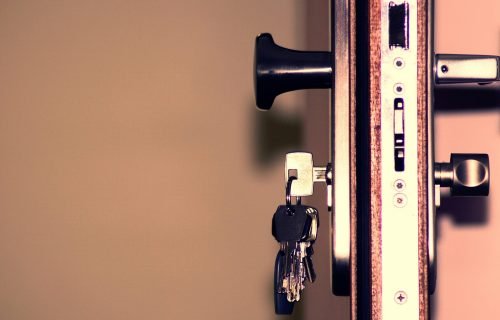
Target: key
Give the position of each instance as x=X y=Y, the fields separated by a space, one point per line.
x=295 y=227
x=281 y=303
x=313 y=230
x=300 y=164
x=290 y=223
x=295 y=223
x=310 y=273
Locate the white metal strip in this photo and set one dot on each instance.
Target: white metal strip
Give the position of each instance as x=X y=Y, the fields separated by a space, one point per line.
x=400 y=254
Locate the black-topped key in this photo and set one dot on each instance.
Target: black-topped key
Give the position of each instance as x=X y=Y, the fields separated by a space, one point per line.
x=291 y=223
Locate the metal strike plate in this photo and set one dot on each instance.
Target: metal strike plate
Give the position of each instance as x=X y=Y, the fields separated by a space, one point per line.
x=300 y=165
x=399 y=173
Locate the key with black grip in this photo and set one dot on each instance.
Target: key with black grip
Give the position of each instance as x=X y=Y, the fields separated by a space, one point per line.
x=295 y=228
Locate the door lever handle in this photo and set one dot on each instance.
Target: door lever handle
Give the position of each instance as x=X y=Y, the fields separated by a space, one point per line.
x=462 y=68
x=278 y=70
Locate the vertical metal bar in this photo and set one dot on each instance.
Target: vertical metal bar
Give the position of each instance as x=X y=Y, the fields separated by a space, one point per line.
x=341 y=151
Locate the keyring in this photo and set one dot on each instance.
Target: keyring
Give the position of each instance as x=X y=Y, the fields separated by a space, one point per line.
x=288 y=196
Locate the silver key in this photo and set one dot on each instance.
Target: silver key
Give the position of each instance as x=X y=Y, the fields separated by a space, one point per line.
x=300 y=165
x=293 y=283
x=298 y=266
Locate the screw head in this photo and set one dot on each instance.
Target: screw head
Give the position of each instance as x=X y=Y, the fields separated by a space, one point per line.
x=399 y=185
x=400 y=200
x=399 y=63
x=398 y=88
x=400 y=297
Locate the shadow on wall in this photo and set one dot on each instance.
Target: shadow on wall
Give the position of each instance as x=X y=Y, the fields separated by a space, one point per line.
x=465 y=210
x=449 y=98
x=274 y=134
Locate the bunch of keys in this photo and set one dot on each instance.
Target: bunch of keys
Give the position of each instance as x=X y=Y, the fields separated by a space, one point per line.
x=295 y=228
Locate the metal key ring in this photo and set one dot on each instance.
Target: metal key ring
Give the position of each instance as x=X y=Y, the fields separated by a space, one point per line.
x=288 y=195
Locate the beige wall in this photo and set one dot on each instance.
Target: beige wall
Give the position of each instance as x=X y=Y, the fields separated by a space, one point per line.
x=137 y=181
